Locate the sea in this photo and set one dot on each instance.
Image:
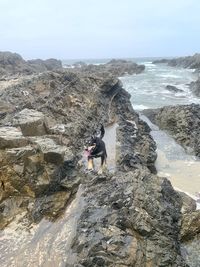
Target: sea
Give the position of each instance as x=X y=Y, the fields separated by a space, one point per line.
x=148 y=90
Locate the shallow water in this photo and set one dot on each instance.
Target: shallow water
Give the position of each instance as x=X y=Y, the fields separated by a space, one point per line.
x=173 y=162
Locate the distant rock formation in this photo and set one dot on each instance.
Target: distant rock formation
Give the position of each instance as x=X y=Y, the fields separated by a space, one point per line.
x=117 y=67
x=191 y=62
x=14 y=64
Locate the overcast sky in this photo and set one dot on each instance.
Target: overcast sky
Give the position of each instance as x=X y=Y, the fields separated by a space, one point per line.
x=72 y=29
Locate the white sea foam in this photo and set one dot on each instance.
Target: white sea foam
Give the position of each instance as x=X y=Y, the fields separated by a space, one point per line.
x=140 y=107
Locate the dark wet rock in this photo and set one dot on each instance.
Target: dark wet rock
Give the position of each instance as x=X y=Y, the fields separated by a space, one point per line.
x=135 y=146
x=188 y=203
x=173 y=88
x=182 y=122
x=123 y=221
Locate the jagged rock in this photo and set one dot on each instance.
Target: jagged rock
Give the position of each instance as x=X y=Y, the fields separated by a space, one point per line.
x=11 y=137
x=71 y=183
x=31 y=122
x=188 y=203
x=173 y=88
x=123 y=219
x=190 y=225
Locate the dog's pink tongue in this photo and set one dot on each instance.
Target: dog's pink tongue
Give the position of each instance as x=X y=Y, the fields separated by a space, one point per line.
x=87 y=153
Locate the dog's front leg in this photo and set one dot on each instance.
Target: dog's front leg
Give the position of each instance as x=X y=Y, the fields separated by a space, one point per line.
x=90 y=164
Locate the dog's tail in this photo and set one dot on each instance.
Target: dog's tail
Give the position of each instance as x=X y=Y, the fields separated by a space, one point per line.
x=102 y=131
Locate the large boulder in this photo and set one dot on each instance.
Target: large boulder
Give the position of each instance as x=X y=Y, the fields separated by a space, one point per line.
x=53 y=153
x=31 y=122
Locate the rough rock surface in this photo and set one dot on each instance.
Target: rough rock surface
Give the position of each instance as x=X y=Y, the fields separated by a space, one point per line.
x=190 y=225
x=31 y=122
x=129 y=218
x=182 y=122
x=13 y=64
x=188 y=203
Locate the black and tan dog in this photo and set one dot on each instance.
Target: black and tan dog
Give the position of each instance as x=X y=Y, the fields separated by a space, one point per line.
x=96 y=149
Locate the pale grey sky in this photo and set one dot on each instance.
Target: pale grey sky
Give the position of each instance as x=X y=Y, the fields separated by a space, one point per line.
x=99 y=28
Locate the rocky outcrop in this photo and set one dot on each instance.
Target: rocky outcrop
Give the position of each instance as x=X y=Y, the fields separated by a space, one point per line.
x=117 y=67
x=195 y=87
x=190 y=225
x=13 y=64
x=191 y=62
x=127 y=218
x=182 y=122
x=173 y=89
x=190 y=236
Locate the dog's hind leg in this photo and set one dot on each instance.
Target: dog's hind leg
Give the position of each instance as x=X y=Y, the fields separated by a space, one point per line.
x=103 y=165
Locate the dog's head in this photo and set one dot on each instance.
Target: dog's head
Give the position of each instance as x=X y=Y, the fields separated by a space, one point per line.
x=90 y=143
